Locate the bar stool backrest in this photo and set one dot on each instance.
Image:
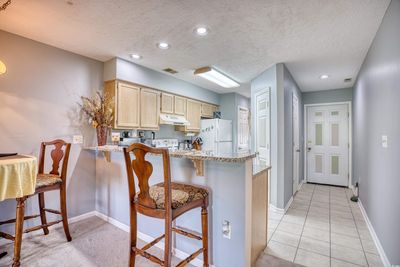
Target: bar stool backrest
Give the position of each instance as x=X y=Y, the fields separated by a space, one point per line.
x=143 y=170
x=60 y=152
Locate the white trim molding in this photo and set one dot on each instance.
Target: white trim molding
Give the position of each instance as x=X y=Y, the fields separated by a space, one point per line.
x=378 y=244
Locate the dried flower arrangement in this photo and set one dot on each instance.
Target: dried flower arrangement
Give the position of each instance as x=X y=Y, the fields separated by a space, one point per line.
x=99 y=113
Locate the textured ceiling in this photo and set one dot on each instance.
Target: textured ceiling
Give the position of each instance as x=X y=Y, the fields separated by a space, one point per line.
x=311 y=37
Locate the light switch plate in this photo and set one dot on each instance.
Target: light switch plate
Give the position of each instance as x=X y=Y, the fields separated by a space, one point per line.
x=384 y=141
x=77 y=139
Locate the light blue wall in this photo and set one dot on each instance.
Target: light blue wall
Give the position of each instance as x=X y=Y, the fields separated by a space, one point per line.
x=328 y=96
x=229 y=105
x=38 y=102
x=376 y=112
x=291 y=88
x=124 y=70
x=268 y=80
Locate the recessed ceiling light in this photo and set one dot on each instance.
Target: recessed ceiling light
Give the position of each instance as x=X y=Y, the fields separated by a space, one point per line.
x=216 y=77
x=201 y=31
x=324 y=76
x=136 y=56
x=163 y=45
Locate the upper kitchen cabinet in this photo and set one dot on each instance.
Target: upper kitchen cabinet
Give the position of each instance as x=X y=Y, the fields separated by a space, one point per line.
x=207 y=110
x=125 y=104
x=167 y=103
x=149 y=109
x=193 y=115
x=180 y=105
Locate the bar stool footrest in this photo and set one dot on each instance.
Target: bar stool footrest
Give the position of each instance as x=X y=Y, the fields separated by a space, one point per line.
x=148 y=256
x=25 y=218
x=190 y=258
x=35 y=228
x=53 y=211
x=7 y=236
x=152 y=243
x=186 y=233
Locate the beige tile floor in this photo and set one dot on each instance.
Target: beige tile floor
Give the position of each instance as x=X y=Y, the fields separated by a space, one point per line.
x=322 y=228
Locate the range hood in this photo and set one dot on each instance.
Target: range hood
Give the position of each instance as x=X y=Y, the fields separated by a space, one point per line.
x=173 y=119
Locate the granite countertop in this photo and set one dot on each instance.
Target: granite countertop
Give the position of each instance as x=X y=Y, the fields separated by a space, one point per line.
x=190 y=154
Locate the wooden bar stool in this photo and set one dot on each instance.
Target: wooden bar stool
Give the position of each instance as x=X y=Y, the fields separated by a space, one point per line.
x=166 y=201
x=44 y=182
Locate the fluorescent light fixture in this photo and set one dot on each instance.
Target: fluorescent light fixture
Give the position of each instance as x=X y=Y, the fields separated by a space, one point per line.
x=163 y=45
x=3 y=68
x=216 y=77
x=201 y=31
x=136 y=56
x=324 y=76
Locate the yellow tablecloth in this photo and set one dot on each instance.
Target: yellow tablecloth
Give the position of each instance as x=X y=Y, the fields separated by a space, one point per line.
x=17 y=176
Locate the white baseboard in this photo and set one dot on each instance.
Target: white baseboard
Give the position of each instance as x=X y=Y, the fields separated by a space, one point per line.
x=146 y=238
x=300 y=185
x=288 y=204
x=275 y=209
x=279 y=210
x=378 y=244
x=55 y=226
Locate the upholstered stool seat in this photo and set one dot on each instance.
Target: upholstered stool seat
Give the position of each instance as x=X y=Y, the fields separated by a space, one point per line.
x=44 y=179
x=182 y=194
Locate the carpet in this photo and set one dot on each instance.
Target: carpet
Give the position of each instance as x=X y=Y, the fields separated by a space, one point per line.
x=94 y=243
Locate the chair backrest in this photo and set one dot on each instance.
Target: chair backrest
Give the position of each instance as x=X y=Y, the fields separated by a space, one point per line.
x=143 y=170
x=60 y=152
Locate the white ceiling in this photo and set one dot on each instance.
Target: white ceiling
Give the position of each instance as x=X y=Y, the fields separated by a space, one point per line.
x=311 y=37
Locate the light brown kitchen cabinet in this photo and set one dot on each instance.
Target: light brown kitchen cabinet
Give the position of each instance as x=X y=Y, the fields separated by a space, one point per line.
x=125 y=104
x=180 y=105
x=207 y=110
x=149 y=109
x=167 y=103
x=193 y=115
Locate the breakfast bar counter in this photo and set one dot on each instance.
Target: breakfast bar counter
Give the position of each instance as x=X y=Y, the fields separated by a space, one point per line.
x=238 y=201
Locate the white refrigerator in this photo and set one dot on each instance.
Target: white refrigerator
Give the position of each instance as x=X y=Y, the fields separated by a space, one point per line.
x=217 y=136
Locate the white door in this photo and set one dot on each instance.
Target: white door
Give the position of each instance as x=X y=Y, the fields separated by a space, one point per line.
x=296 y=142
x=328 y=144
x=263 y=126
x=243 y=130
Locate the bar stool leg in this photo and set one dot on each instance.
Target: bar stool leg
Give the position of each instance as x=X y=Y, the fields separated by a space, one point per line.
x=43 y=213
x=168 y=241
x=19 y=226
x=63 y=206
x=133 y=237
x=204 y=228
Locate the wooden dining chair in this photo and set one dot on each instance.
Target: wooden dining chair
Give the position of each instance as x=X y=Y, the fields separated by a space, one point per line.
x=166 y=200
x=53 y=180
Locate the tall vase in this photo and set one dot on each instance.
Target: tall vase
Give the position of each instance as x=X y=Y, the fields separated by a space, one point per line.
x=101 y=135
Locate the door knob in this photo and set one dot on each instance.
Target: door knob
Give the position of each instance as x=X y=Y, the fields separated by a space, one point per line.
x=309 y=149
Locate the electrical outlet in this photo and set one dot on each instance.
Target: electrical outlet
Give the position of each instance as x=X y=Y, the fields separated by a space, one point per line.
x=226 y=229
x=384 y=141
x=77 y=139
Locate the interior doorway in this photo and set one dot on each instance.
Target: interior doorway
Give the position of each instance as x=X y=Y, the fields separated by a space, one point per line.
x=262 y=134
x=328 y=132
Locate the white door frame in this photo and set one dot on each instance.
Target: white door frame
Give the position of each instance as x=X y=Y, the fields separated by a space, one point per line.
x=295 y=184
x=348 y=103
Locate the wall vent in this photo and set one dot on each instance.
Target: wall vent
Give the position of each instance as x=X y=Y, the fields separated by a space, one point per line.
x=347 y=80
x=169 y=70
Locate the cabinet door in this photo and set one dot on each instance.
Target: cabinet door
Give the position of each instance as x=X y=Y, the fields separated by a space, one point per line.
x=167 y=103
x=149 y=108
x=207 y=110
x=180 y=105
x=127 y=106
x=193 y=115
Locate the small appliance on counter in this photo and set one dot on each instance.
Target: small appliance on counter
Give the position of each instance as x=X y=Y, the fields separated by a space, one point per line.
x=166 y=143
x=216 y=135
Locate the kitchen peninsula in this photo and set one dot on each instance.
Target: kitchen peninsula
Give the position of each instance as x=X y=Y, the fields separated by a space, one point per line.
x=238 y=201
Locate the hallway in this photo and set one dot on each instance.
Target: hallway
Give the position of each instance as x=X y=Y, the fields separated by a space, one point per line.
x=321 y=228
